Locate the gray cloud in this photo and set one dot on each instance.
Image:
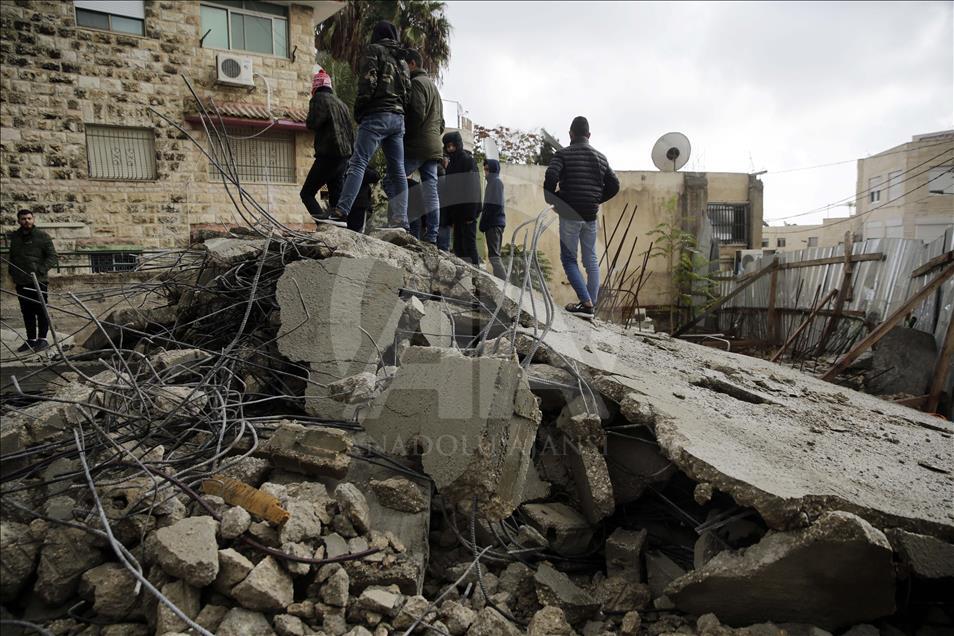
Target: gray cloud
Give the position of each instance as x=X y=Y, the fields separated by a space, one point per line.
x=754 y=85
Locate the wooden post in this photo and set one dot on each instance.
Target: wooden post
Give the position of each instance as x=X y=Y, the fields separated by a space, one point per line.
x=941 y=368
x=843 y=295
x=708 y=309
x=886 y=326
x=802 y=327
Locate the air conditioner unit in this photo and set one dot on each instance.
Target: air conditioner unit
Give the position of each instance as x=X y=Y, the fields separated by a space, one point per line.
x=745 y=259
x=234 y=70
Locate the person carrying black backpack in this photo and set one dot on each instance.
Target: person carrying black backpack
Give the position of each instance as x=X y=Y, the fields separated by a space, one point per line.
x=383 y=91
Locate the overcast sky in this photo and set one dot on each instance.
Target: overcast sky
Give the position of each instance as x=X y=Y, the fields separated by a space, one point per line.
x=755 y=86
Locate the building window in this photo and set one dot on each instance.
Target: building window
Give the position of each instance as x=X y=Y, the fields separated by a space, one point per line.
x=941 y=180
x=874 y=189
x=259 y=157
x=856 y=237
x=106 y=262
x=895 y=187
x=765 y=242
x=122 y=154
x=125 y=16
x=779 y=242
x=730 y=222
x=245 y=25
x=812 y=241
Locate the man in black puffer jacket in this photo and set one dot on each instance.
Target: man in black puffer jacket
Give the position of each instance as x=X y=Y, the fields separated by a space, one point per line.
x=329 y=118
x=585 y=180
x=383 y=92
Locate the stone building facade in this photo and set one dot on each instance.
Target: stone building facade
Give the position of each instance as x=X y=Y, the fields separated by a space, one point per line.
x=69 y=90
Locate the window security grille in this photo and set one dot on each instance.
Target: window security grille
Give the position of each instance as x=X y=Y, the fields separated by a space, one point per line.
x=730 y=222
x=258 y=157
x=100 y=263
x=121 y=154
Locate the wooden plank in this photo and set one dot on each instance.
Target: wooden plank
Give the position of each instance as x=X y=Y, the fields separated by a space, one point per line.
x=933 y=264
x=879 y=332
x=941 y=369
x=843 y=296
x=708 y=309
x=772 y=317
x=834 y=260
x=802 y=327
x=913 y=402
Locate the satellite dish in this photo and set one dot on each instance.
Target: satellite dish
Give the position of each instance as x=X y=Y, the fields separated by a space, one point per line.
x=490 y=149
x=671 y=152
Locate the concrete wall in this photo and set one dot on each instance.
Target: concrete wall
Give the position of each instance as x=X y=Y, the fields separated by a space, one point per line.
x=658 y=197
x=915 y=214
x=57 y=77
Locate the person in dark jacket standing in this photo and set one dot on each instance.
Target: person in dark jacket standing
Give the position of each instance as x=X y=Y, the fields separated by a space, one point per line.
x=585 y=180
x=424 y=121
x=361 y=209
x=493 y=219
x=31 y=252
x=461 y=191
x=328 y=117
x=383 y=91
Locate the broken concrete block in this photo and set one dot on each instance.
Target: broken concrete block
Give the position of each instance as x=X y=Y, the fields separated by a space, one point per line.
x=337 y=314
x=235 y=521
x=183 y=596
x=592 y=480
x=287 y=625
x=834 y=573
x=623 y=551
x=242 y=622
x=233 y=568
x=399 y=494
x=457 y=617
x=357 y=389
x=248 y=470
x=178 y=359
x=335 y=585
x=226 y=252
x=618 y=594
x=435 y=328
x=534 y=488
x=267 y=588
x=211 y=616
x=335 y=545
x=566 y=530
x=300 y=550
x=556 y=588
x=414 y=309
x=380 y=601
x=927 y=557
x=629 y=626
x=66 y=554
x=472 y=419
x=312 y=450
x=549 y=621
x=707 y=546
x=303 y=522
x=354 y=506
x=109 y=587
x=902 y=362
x=19 y=549
x=188 y=550
x=490 y=622
x=660 y=572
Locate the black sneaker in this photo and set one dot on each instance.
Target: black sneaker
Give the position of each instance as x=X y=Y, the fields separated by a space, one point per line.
x=580 y=309
x=26 y=346
x=41 y=345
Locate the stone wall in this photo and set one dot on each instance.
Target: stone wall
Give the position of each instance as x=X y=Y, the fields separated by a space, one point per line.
x=57 y=77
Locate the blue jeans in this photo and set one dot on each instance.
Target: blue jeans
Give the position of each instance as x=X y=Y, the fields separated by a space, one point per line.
x=432 y=206
x=385 y=130
x=573 y=232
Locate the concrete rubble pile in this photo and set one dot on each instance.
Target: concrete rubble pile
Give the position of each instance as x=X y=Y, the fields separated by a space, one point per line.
x=403 y=444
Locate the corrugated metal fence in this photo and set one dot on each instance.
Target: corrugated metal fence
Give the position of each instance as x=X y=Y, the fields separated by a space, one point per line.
x=878 y=289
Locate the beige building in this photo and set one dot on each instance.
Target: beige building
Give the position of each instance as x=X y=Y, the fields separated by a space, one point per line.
x=908 y=191
x=82 y=142
x=731 y=201
x=790 y=238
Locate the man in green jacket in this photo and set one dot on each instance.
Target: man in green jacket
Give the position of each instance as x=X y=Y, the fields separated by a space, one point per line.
x=31 y=252
x=423 y=149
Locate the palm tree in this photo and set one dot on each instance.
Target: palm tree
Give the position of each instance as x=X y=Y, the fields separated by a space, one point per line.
x=423 y=26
